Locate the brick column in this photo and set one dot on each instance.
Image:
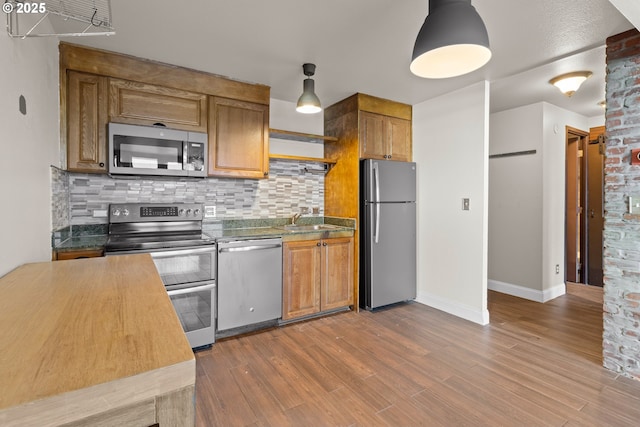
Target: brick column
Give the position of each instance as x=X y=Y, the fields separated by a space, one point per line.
x=621 y=340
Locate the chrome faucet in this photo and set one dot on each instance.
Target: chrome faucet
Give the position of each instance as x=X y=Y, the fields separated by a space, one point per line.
x=295 y=217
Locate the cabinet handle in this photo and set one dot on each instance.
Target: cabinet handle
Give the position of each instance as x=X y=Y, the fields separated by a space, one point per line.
x=266 y=174
x=324 y=244
x=101 y=164
x=318 y=244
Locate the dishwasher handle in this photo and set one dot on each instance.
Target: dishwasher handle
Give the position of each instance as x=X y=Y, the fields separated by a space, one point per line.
x=250 y=248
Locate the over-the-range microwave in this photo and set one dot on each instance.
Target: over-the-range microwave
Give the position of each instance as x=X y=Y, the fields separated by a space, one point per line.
x=156 y=150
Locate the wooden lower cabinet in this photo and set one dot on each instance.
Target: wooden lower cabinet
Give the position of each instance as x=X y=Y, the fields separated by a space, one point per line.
x=83 y=253
x=317 y=276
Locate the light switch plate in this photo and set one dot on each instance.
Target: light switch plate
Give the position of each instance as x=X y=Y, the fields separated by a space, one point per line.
x=465 y=204
x=634 y=205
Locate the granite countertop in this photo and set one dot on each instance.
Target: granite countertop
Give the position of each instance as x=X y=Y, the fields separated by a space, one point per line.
x=94 y=237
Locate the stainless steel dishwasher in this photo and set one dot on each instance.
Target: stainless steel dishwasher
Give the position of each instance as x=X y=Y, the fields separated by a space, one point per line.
x=249 y=285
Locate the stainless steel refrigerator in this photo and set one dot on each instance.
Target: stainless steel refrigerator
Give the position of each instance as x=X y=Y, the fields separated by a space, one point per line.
x=388 y=238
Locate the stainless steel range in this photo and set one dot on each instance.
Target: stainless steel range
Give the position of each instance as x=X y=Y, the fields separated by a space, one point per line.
x=184 y=256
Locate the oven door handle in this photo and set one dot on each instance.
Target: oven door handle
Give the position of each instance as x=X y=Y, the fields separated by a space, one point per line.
x=167 y=254
x=190 y=290
x=250 y=248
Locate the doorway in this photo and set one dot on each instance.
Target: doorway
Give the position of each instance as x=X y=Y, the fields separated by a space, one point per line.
x=584 y=205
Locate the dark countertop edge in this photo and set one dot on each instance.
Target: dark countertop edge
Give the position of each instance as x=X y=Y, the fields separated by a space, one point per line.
x=89 y=237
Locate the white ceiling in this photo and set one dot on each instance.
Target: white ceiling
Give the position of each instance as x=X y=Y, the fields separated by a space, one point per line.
x=366 y=45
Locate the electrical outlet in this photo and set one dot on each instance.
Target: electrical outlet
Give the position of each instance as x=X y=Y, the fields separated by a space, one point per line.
x=557 y=268
x=634 y=205
x=465 y=204
x=209 y=211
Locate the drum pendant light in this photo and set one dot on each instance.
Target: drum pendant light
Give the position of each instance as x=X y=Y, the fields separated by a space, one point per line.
x=452 y=41
x=308 y=103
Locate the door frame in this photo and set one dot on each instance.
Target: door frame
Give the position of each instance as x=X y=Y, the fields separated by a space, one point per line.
x=575 y=191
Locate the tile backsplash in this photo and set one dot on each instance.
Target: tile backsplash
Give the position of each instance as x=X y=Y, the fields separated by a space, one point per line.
x=291 y=186
x=59 y=198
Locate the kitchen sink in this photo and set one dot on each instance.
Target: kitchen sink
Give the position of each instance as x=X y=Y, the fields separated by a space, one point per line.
x=308 y=227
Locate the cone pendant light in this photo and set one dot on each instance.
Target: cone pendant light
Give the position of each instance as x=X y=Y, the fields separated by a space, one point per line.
x=308 y=103
x=452 y=41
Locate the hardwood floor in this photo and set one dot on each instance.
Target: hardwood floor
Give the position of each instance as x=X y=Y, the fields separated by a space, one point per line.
x=410 y=365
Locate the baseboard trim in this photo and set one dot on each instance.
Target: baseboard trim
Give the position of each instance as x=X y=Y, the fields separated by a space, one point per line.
x=527 y=293
x=463 y=311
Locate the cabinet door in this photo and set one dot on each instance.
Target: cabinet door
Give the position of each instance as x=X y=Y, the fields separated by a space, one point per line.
x=145 y=104
x=86 y=122
x=336 y=288
x=300 y=278
x=398 y=133
x=373 y=143
x=238 y=138
x=88 y=253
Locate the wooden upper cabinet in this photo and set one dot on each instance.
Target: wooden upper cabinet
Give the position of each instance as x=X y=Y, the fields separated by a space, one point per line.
x=373 y=141
x=336 y=289
x=86 y=113
x=238 y=138
x=146 y=104
x=384 y=137
x=398 y=133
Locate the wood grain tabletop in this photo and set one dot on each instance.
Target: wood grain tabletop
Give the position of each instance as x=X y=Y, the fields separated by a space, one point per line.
x=69 y=325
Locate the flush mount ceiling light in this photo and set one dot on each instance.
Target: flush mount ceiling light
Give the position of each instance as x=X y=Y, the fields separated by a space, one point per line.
x=570 y=82
x=452 y=41
x=308 y=103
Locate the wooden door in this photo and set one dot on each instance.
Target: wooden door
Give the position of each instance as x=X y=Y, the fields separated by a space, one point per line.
x=594 y=205
x=145 y=104
x=398 y=133
x=301 y=278
x=373 y=141
x=86 y=105
x=238 y=138
x=336 y=289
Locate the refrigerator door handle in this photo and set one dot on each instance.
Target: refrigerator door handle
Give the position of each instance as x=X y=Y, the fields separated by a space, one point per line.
x=377 y=227
x=376 y=179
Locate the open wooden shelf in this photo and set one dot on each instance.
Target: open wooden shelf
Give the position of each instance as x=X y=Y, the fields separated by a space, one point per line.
x=297 y=136
x=329 y=162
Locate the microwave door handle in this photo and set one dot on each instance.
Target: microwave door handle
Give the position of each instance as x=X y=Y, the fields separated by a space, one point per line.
x=185 y=154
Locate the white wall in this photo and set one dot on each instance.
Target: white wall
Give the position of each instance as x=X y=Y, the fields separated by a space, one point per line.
x=527 y=200
x=283 y=116
x=450 y=146
x=30 y=144
x=515 y=199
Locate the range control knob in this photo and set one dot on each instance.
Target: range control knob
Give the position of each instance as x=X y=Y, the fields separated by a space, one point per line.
x=115 y=212
x=125 y=212
x=180 y=212
x=188 y=212
x=196 y=212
